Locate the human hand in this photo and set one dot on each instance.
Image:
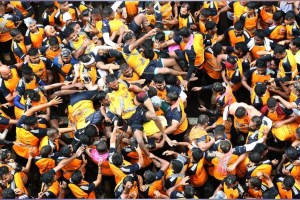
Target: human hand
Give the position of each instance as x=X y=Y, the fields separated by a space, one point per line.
x=55 y=101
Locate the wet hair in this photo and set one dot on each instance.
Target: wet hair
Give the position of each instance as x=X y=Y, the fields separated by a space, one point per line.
x=205 y=12
x=240 y=112
x=149 y=4
x=160 y=36
x=150 y=177
x=197 y=154
x=210 y=25
x=277 y=15
x=296 y=42
x=159 y=78
x=85 y=140
x=203 y=119
x=149 y=53
x=230 y=179
x=14 y=32
x=32 y=94
x=133 y=143
x=91 y=131
x=272 y=102
x=101 y=147
x=173 y=96
x=291 y=153
x=260 y=148
x=101 y=95
x=33 y=52
x=8 y=193
x=288 y=182
x=30 y=120
x=48 y=177
x=185 y=32
x=128 y=36
x=72 y=25
x=3 y=170
x=218 y=87
x=290 y=15
x=239 y=25
x=279 y=49
x=260 y=89
x=65 y=151
x=261 y=63
x=255 y=182
x=68 y=31
x=117 y=159
x=257 y=120
x=85 y=58
x=225 y=146
x=217 y=49
x=255 y=157
x=107 y=11
x=45 y=151
x=259 y=33
x=110 y=78
x=242 y=46
x=189 y=192
x=27 y=71
x=176 y=166
x=128 y=178
x=76 y=177
x=53 y=41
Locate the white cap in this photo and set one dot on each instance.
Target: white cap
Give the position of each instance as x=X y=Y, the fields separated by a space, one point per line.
x=29 y=21
x=66 y=16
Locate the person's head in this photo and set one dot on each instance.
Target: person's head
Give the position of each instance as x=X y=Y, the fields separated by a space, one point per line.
x=108 y=13
x=171 y=97
x=261 y=66
x=231 y=62
x=251 y=5
x=31 y=122
x=128 y=180
x=49 y=6
x=96 y=14
x=255 y=123
x=101 y=147
x=176 y=166
x=77 y=177
x=255 y=183
x=5 y=174
x=75 y=26
x=280 y=51
x=16 y=34
x=5 y=155
x=27 y=74
x=126 y=70
x=291 y=153
x=204 y=15
x=66 y=55
x=46 y=151
x=278 y=16
x=66 y=151
x=259 y=37
x=185 y=33
x=185 y=8
x=218 y=88
x=156 y=102
x=231 y=181
x=112 y=82
x=241 y=49
x=149 y=7
x=268 y=6
x=225 y=146
x=272 y=104
x=50 y=31
x=219 y=132
x=149 y=53
x=53 y=43
x=255 y=157
x=217 y=49
x=70 y=34
x=149 y=177
x=289 y=17
x=33 y=95
x=91 y=131
x=239 y=28
x=8 y=193
x=34 y=55
x=261 y=148
x=152 y=92
x=88 y=61
x=159 y=82
x=160 y=37
x=117 y=159
x=260 y=89
x=129 y=37
x=240 y=112
x=203 y=120
x=295 y=44
x=5 y=72
x=31 y=24
x=189 y=192
x=85 y=140
x=64 y=6
x=288 y=182
x=197 y=154
x=53 y=133
x=211 y=27
x=171 y=79
x=103 y=98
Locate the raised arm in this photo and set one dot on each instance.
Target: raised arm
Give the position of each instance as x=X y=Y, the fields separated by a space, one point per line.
x=68 y=160
x=142 y=39
x=34 y=109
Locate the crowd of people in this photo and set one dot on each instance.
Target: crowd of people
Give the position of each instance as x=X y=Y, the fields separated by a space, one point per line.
x=96 y=99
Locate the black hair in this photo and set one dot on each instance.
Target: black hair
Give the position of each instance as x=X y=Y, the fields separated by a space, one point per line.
x=150 y=177
x=27 y=71
x=290 y=15
x=255 y=157
x=107 y=11
x=240 y=112
x=101 y=95
x=96 y=11
x=101 y=147
x=85 y=58
x=255 y=182
x=91 y=131
x=277 y=15
x=67 y=32
x=257 y=120
x=259 y=33
x=72 y=25
x=160 y=36
x=152 y=92
x=33 y=52
x=14 y=32
x=128 y=36
x=159 y=78
x=133 y=143
x=272 y=102
x=171 y=79
x=110 y=78
x=48 y=4
x=187 y=5
x=260 y=89
x=239 y=26
x=148 y=53
x=173 y=96
x=148 y=44
x=217 y=48
x=117 y=159
x=48 y=177
x=203 y=119
x=65 y=151
x=220 y=129
x=32 y=94
x=185 y=32
x=288 y=182
x=225 y=146
x=30 y=120
x=176 y=166
x=45 y=151
x=128 y=178
x=197 y=154
x=189 y=192
x=251 y=5
x=279 y=49
x=230 y=179
x=205 y=12
x=260 y=148
x=3 y=170
x=296 y=42
x=85 y=140
x=210 y=25
x=242 y=46
x=53 y=41
x=261 y=63
x=218 y=87
x=291 y=153
x=8 y=193
x=76 y=177
x=149 y=3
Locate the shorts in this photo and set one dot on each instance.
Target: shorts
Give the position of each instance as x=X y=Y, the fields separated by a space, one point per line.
x=134 y=27
x=151 y=70
x=6 y=46
x=137 y=120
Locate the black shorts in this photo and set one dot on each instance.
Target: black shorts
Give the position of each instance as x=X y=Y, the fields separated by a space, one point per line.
x=134 y=27
x=137 y=120
x=6 y=47
x=149 y=71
